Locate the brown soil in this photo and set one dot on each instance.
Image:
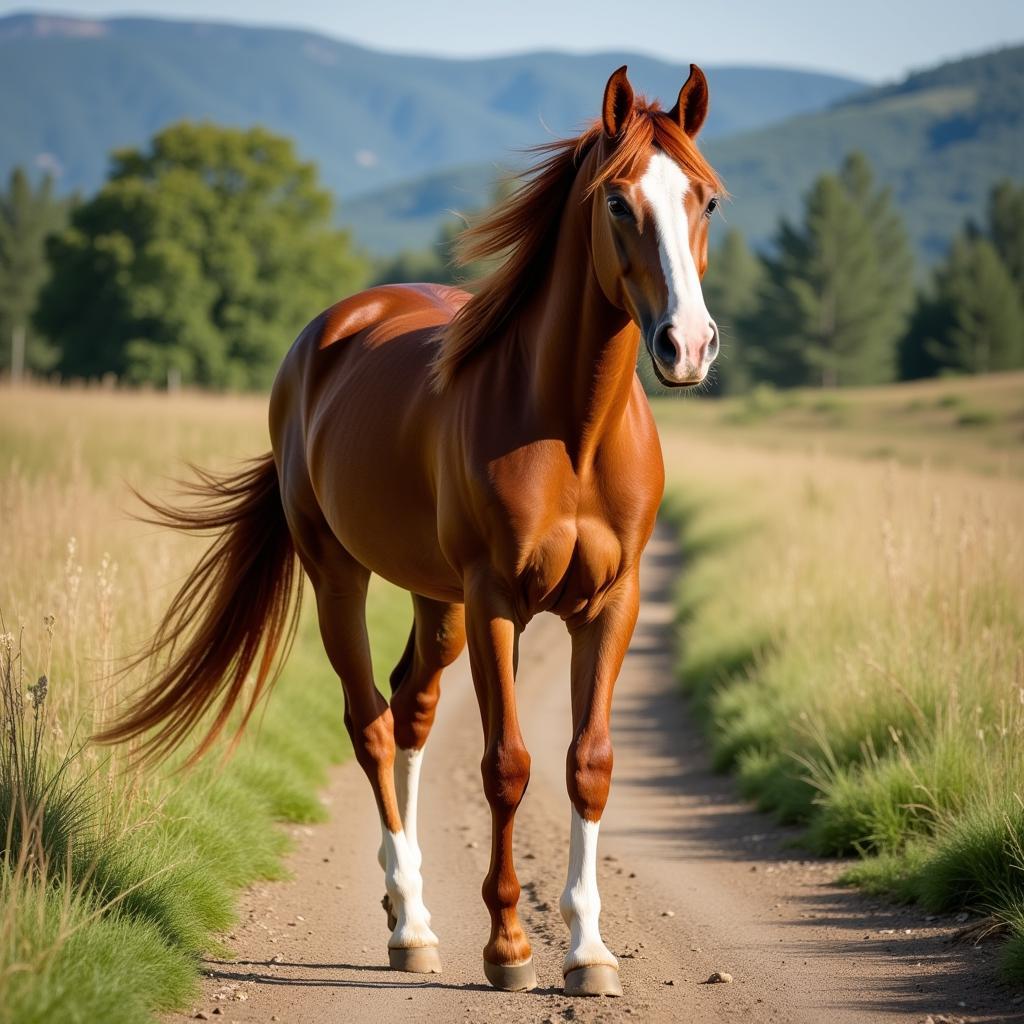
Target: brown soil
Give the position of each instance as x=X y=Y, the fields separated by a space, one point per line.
x=692 y=882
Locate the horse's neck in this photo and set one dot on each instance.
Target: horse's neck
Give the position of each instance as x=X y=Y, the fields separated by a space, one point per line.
x=582 y=350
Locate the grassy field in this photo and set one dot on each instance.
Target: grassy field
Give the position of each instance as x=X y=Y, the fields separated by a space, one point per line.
x=852 y=625
x=973 y=423
x=105 y=906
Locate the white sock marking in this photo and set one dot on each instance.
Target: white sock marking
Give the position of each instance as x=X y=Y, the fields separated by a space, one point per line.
x=405 y=888
x=581 y=903
x=400 y=857
x=407 y=785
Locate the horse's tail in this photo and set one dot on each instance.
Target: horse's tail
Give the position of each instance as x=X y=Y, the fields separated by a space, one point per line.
x=237 y=609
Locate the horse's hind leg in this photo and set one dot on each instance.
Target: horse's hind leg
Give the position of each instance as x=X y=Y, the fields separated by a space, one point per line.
x=341 y=585
x=437 y=637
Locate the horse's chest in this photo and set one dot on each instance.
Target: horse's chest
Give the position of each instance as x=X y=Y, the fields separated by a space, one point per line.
x=571 y=566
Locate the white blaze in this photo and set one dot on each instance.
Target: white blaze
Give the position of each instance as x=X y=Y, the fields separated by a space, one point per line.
x=581 y=903
x=664 y=186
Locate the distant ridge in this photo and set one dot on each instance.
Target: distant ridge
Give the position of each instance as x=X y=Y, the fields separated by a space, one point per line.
x=939 y=139
x=71 y=89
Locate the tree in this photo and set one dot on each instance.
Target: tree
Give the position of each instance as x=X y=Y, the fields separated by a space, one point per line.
x=972 y=320
x=837 y=288
x=822 y=309
x=731 y=287
x=892 y=244
x=437 y=263
x=200 y=258
x=1006 y=228
x=27 y=216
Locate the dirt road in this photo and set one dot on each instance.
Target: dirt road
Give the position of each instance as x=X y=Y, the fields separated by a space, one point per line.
x=692 y=882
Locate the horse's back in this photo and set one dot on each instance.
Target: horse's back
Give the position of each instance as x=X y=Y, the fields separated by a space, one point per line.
x=354 y=426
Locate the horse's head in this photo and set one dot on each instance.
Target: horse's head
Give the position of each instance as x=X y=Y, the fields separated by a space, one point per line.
x=653 y=195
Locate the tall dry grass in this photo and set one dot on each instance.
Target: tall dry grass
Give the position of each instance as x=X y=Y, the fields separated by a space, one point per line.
x=103 y=912
x=853 y=631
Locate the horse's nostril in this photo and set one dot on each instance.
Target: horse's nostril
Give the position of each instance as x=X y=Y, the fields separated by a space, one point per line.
x=712 y=350
x=664 y=346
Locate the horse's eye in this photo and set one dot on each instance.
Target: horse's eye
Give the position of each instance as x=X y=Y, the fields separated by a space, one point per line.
x=712 y=206
x=617 y=207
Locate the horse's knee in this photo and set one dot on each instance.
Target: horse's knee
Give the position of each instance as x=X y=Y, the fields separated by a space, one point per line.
x=588 y=771
x=506 y=773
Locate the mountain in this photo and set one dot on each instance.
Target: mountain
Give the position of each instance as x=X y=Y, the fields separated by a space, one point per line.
x=72 y=89
x=939 y=139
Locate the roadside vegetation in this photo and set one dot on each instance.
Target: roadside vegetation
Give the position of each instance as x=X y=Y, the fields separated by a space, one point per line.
x=852 y=633
x=113 y=881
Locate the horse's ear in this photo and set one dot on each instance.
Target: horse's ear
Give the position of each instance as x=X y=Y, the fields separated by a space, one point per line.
x=692 y=106
x=618 y=103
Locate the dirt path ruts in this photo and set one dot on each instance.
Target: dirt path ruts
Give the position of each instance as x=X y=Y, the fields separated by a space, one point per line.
x=692 y=881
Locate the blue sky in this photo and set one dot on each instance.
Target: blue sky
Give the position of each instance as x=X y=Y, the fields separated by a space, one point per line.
x=873 y=39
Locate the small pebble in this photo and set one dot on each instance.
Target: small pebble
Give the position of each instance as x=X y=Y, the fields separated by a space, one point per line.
x=668 y=913
x=719 y=978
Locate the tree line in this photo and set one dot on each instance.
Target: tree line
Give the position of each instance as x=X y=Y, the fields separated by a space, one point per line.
x=836 y=299
x=205 y=252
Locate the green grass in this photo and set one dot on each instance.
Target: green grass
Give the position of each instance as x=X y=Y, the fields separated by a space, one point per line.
x=169 y=874
x=852 y=635
x=955 y=422
x=137 y=873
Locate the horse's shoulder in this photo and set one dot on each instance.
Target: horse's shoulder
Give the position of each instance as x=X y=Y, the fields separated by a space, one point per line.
x=365 y=309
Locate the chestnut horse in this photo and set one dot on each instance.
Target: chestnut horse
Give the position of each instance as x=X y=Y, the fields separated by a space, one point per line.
x=493 y=454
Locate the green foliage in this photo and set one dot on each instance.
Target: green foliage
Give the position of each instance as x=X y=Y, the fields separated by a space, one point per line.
x=836 y=288
x=201 y=258
x=970 y=319
x=75 y=963
x=731 y=287
x=43 y=810
x=27 y=217
x=1006 y=228
x=114 y=935
x=438 y=263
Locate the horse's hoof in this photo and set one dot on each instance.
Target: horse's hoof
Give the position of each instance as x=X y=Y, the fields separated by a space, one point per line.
x=392 y=920
x=415 y=960
x=514 y=978
x=598 y=980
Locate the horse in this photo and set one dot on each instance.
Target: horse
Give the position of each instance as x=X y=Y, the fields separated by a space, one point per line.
x=495 y=455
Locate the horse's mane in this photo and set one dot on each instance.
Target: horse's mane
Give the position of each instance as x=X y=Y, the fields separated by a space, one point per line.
x=523 y=227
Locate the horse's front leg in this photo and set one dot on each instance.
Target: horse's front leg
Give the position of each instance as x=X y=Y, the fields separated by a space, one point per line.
x=598 y=648
x=493 y=638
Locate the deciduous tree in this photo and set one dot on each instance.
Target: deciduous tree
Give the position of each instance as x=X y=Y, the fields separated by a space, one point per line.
x=200 y=259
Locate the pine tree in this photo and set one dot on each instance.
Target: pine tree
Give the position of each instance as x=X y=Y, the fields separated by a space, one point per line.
x=731 y=286
x=976 y=315
x=823 y=311
x=1006 y=228
x=893 y=251
x=27 y=216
